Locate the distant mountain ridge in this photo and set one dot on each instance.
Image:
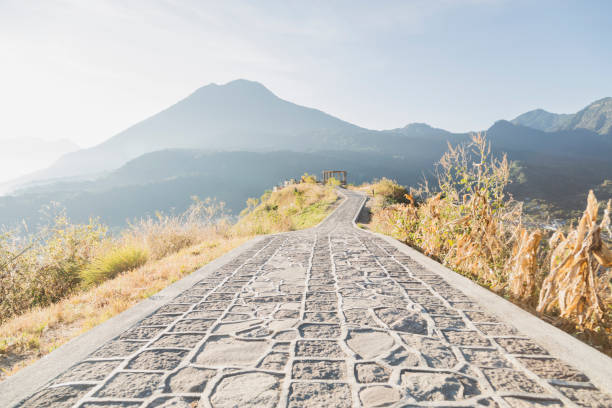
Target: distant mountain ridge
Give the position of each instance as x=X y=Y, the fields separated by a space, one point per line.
x=244 y=115
x=596 y=117
x=234 y=140
x=240 y=115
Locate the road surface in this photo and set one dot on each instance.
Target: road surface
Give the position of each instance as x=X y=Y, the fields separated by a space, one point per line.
x=328 y=317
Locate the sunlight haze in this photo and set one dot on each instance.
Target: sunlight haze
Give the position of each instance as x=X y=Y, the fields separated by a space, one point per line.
x=86 y=70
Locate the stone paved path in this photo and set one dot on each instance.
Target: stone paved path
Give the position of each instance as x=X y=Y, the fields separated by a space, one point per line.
x=328 y=317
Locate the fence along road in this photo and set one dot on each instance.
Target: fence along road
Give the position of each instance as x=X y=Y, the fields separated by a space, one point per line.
x=332 y=316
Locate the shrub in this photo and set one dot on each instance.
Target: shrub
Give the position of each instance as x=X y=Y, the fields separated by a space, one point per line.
x=41 y=268
x=333 y=182
x=309 y=178
x=112 y=263
x=469 y=224
x=165 y=234
x=384 y=192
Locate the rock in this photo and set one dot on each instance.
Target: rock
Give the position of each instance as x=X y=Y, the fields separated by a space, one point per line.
x=371 y=373
x=247 y=390
x=60 y=397
x=319 y=370
x=157 y=360
x=319 y=331
x=516 y=402
x=130 y=385
x=87 y=371
x=174 y=402
x=507 y=379
x=403 y=320
x=369 y=344
x=551 y=368
x=379 y=396
x=189 y=379
x=227 y=351
x=328 y=395
x=318 y=348
x=427 y=386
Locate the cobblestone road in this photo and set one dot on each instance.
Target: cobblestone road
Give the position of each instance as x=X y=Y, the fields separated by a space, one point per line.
x=328 y=317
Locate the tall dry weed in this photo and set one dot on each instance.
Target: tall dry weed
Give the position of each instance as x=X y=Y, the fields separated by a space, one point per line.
x=523 y=265
x=576 y=264
x=165 y=234
x=470 y=225
x=41 y=268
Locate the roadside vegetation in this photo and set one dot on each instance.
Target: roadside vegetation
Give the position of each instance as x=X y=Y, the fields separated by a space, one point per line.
x=469 y=223
x=67 y=278
x=291 y=208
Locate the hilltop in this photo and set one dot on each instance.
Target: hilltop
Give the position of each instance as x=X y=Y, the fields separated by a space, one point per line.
x=596 y=117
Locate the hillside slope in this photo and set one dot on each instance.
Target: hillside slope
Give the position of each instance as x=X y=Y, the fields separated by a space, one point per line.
x=596 y=117
x=240 y=115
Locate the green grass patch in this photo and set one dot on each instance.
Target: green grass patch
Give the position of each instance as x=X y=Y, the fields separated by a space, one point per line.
x=310 y=215
x=113 y=263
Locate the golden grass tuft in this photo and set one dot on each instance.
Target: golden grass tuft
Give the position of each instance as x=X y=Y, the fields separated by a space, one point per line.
x=112 y=263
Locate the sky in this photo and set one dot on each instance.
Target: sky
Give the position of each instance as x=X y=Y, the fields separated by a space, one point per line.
x=85 y=70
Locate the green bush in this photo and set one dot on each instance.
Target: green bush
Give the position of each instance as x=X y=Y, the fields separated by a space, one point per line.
x=113 y=263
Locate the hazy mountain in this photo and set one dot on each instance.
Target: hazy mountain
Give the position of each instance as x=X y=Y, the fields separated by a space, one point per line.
x=21 y=156
x=557 y=167
x=596 y=117
x=235 y=140
x=165 y=180
x=240 y=115
x=580 y=143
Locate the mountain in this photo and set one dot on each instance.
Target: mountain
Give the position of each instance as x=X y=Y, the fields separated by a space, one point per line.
x=596 y=117
x=166 y=179
x=556 y=167
x=240 y=115
x=232 y=141
x=20 y=156
x=579 y=143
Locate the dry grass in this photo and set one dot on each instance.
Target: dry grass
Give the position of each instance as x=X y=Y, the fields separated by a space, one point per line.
x=41 y=268
x=576 y=265
x=470 y=225
x=294 y=207
x=112 y=263
x=32 y=335
x=384 y=192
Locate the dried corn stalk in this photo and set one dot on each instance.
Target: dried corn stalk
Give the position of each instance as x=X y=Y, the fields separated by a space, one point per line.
x=480 y=245
x=523 y=264
x=571 y=285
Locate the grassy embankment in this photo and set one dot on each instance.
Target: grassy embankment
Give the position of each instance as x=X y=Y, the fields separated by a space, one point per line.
x=469 y=224
x=68 y=278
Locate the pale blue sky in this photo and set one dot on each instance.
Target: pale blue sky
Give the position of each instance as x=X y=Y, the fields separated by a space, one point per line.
x=85 y=70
